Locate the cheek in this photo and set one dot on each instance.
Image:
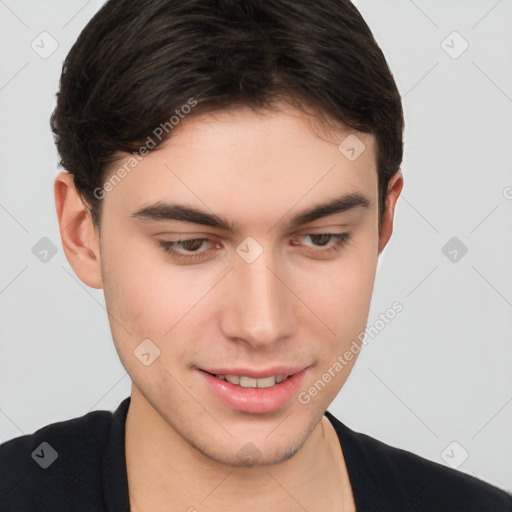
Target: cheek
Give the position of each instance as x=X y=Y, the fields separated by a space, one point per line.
x=341 y=293
x=134 y=287
x=147 y=293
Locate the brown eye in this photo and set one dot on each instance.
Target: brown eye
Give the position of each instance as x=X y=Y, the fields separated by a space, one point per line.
x=184 y=249
x=191 y=245
x=325 y=244
x=322 y=239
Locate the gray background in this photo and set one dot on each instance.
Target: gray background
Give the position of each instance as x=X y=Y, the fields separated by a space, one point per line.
x=438 y=373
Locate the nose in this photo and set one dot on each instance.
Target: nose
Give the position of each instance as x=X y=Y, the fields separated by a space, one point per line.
x=258 y=306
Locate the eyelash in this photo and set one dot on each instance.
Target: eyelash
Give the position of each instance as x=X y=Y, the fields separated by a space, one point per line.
x=340 y=241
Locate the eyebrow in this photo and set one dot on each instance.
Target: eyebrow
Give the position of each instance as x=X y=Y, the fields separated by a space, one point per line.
x=163 y=211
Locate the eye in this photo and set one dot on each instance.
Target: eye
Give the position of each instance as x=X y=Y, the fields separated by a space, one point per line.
x=321 y=240
x=190 y=247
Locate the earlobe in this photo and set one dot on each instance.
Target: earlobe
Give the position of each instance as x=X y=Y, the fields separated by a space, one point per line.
x=80 y=240
x=394 y=189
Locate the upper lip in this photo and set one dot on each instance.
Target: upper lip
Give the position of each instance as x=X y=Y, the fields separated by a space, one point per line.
x=256 y=374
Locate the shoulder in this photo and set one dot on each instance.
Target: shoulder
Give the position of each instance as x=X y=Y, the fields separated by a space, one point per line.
x=55 y=464
x=412 y=482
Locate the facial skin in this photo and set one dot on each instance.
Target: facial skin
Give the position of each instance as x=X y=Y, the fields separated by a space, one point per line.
x=298 y=303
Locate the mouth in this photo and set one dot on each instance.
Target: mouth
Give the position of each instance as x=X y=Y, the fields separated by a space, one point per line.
x=251 y=391
x=245 y=381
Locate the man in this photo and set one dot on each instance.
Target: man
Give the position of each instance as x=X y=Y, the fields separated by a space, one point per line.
x=232 y=170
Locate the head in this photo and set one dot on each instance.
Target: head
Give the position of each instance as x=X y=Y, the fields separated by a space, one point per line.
x=220 y=125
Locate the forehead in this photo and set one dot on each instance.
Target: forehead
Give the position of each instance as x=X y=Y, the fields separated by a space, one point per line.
x=238 y=159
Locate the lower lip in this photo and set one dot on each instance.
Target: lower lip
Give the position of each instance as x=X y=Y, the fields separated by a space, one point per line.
x=254 y=400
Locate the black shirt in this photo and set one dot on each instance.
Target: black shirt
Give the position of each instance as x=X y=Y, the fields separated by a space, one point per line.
x=82 y=468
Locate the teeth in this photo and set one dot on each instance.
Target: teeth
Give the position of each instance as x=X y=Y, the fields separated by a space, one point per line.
x=234 y=379
x=266 y=382
x=249 y=382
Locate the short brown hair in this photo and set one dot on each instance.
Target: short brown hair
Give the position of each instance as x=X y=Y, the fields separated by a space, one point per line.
x=137 y=62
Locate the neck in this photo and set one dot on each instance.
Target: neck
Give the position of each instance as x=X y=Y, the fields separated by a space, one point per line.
x=163 y=468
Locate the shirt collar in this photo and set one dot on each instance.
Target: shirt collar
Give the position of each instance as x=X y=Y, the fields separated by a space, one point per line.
x=115 y=477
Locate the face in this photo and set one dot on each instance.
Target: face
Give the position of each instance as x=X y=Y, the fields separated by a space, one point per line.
x=252 y=287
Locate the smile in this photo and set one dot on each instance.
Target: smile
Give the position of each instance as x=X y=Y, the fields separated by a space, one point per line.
x=254 y=394
x=250 y=382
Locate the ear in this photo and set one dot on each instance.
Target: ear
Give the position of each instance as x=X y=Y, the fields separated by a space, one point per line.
x=394 y=189
x=80 y=240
